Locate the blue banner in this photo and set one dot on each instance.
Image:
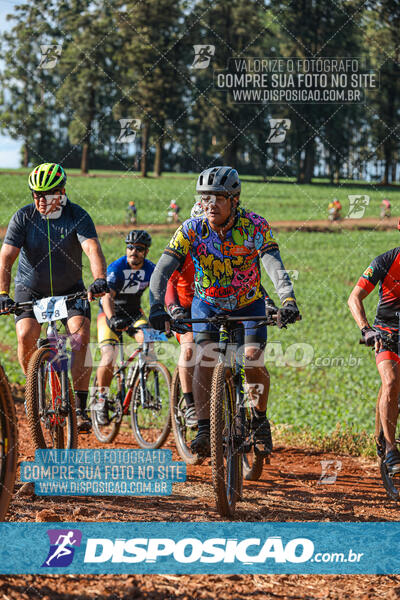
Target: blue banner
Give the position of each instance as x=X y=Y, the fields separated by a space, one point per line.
x=210 y=548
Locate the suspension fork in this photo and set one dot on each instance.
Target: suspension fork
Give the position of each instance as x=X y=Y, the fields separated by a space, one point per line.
x=122 y=371
x=239 y=382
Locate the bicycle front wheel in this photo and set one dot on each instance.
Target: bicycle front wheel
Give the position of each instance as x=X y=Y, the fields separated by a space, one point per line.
x=50 y=403
x=183 y=435
x=150 y=410
x=8 y=444
x=226 y=461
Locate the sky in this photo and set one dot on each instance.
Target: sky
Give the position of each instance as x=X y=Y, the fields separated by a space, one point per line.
x=9 y=148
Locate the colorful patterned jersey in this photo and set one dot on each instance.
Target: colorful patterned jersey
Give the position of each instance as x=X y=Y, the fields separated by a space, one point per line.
x=227 y=273
x=385 y=270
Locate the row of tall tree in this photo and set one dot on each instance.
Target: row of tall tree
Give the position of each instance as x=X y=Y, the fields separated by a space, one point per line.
x=114 y=59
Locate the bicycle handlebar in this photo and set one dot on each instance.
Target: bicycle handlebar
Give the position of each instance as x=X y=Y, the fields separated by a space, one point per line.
x=20 y=306
x=177 y=324
x=269 y=319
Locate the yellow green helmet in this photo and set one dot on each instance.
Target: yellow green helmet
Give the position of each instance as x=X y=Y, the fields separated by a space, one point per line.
x=46 y=177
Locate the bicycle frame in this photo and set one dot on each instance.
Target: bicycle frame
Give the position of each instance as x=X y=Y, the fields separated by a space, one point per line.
x=58 y=373
x=228 y=335
x=236 y=337
x=141 y=353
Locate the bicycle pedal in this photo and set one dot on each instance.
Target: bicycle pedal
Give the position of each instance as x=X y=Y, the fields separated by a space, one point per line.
x=260 y=452
x=246 y=447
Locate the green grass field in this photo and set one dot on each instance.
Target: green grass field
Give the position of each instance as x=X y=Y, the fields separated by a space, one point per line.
x=107 y=198
x=337 y=381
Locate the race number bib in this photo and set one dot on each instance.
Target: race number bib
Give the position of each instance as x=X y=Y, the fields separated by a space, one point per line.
x=50 y=309
x=152 y=335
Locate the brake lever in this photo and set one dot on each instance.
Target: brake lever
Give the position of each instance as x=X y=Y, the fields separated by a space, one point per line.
x=180 y=327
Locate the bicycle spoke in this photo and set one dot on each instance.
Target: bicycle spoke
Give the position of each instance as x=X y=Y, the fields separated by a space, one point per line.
x=150 y=410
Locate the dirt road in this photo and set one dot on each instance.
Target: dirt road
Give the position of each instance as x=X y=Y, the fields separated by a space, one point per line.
x=322 y=225
x=289 y=490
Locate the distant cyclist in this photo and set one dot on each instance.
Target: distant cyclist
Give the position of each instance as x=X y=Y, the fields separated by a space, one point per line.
x=384 y=337
x=173 y=212
x=385 y=209
x=127 y=278
x=132 y=212
x=227 y=246
x=49 y=236
x=334 y=210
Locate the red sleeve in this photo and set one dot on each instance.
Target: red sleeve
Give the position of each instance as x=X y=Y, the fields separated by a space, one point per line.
x=171 y=295
x=365 y=284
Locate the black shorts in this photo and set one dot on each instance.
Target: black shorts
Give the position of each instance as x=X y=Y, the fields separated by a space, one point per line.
x=390 y=345
x=78 y=307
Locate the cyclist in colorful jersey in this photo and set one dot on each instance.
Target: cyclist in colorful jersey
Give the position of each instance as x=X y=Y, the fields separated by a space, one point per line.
x=127 y=277
x=226 y=246
x=384 y=336
x=178 y=300
x=49 y=236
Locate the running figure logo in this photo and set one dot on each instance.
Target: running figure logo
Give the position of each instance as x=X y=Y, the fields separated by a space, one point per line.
x=330 y=470
x=62 y=547
x=357 y=205
x=50 y=55
x=202 y=56
x=279 y=129
x=129 y=129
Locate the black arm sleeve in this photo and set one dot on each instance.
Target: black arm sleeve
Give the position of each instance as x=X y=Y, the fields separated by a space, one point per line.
x=161 y=274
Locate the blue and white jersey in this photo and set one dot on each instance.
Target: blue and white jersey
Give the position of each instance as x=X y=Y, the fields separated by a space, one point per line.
x=128 y=284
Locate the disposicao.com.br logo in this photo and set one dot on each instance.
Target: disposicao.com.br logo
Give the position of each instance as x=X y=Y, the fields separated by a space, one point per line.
x=212 y=550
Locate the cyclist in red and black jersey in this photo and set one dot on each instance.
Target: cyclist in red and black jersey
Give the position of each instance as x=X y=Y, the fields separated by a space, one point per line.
x=178 y=300
x=384 y=336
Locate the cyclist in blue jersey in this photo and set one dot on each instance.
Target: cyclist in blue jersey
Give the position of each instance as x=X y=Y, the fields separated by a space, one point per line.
x=227 y=245
x=127 y=278
x=49 y=236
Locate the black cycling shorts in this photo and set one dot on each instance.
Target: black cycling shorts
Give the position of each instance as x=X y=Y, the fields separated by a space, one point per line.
x=390 y=345
x=75 y=308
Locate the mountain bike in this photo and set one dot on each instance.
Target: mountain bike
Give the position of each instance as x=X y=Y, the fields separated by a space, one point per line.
x=390 y=483
x=49 y=399
x=144 y=389
x=233 y=454
x=8 y=444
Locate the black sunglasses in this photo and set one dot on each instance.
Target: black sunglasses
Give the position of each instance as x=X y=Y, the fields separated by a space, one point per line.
x=138 y=248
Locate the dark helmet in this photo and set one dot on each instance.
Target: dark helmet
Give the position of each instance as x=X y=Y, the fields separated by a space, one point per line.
x=138 y=236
